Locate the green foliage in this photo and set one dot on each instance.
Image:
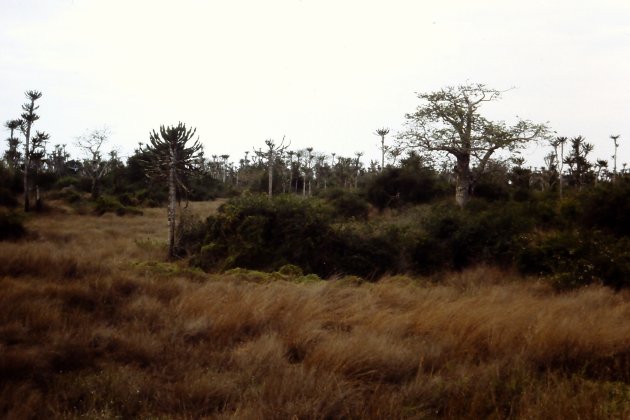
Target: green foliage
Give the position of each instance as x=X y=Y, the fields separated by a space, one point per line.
x=575 y=258
x=347 y=204
x=481 y=233
x=607 y=207
x=66 y=181
x=108 y=204
x=11 y=225
x=395 y=187
x=257 y=233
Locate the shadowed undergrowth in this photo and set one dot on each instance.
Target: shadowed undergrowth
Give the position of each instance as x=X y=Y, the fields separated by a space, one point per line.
x=94 y=325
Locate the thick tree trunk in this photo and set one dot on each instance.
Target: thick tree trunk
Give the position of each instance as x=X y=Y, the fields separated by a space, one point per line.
x=172 y=199
x=464 y=184
x=93 y=190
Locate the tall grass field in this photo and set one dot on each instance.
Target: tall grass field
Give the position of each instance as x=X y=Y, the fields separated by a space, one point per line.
x=95 y=323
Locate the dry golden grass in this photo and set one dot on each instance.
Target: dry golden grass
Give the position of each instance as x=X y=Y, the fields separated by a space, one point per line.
x=95 y=324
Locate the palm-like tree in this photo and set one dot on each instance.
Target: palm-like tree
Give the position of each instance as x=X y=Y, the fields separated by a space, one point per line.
x=382 y=132
x=12 y=155
x=614 y=139
x=29 y=117
x=169 y=156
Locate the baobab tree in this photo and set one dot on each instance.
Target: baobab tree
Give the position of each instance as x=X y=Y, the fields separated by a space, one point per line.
x=382 y=132
x=94 y=166
x=170 y=157
x=448 y=122
x=29 y=117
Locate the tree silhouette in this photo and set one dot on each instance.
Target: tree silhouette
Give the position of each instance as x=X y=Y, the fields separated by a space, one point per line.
x=614 y=139
x=29 y=117
x=382 y=132
x=12 y=155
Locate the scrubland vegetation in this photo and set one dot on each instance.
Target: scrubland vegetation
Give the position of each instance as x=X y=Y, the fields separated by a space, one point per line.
x=95 y=324
x=315 y=287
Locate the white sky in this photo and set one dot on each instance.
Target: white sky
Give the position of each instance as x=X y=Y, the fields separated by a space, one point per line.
x=324 y=73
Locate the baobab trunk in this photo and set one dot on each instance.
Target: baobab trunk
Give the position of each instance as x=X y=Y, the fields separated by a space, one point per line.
x=172 y=199
x=463 y=186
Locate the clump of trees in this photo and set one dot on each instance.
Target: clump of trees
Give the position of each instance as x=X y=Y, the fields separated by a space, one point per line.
x=333 y=214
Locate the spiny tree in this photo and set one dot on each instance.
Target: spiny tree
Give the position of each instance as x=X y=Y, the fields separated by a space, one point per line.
x=448 y=122
x=382 y=132
x=577 y=161
x=169 y=156
x=29 y=117
x=12 y=155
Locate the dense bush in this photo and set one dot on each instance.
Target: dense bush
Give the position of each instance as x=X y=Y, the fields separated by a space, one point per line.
x=108 y=204
x=395 y=187
x=607 y=207
x=481 y=233
x=347 y=204
x=7 y=198
x=11 y=226
x=257 y=233
x=576 y=258
x=11 y=179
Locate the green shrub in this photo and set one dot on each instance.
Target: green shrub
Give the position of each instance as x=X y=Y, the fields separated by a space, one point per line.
x=606 y=206
x=256 y=233
x=395 y=187
x=108 y=204
x=66 y=181
x=11 y=225
x=347 y=204
x=573 y=259
x=481 y=233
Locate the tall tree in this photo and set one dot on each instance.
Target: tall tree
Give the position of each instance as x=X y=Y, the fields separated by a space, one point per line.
x=614 y=139
x=272 y=153
x=382 y=132
x=559 y=142
x=29 y=117
x=448 y=121
x=170 y=157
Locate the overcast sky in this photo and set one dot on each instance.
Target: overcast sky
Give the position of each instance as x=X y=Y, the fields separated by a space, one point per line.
x=324 y=73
